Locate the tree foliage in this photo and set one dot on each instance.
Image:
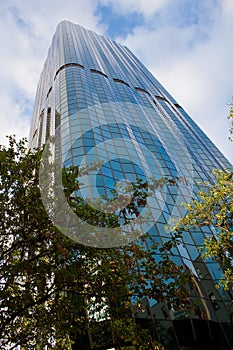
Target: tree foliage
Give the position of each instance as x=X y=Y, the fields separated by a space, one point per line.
x=52 y=288
x=230 y=117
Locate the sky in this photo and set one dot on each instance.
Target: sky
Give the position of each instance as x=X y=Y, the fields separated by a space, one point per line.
x=186 y=44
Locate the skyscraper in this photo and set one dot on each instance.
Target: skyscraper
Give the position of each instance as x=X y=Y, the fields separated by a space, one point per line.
x=106 y=105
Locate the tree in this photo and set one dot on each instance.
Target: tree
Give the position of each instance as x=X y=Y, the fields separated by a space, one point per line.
x=230 y=117
x=214 y=208
x=53 y=289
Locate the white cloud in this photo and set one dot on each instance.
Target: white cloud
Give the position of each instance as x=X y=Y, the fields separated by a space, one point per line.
x=13 y=119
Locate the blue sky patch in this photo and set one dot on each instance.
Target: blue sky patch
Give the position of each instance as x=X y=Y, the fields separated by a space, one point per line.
x=117 y=24
x=188 y=13
x=15 y=13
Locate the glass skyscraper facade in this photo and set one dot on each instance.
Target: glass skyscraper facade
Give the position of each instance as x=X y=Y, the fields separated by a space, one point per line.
x=108 y=106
